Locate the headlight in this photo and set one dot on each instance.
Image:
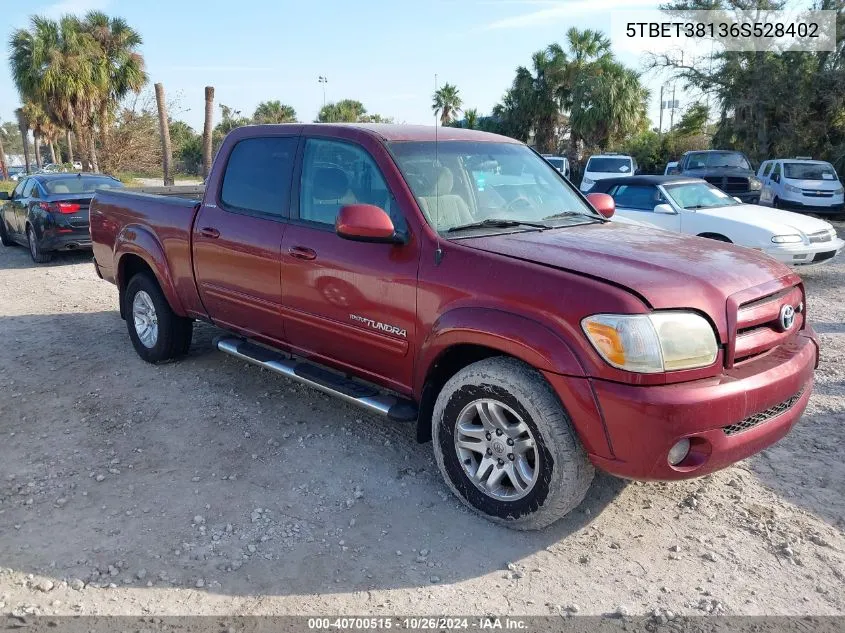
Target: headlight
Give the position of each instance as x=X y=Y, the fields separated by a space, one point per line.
x=754 y=184
x=652 y=343
x=787 y=239
x=792 y=188
x=839 y=192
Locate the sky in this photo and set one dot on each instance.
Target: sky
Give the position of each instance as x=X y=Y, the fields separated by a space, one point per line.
x=384 y=53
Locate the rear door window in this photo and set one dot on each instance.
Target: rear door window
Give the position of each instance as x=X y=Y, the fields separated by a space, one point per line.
x=27 y=190
x=258 y=176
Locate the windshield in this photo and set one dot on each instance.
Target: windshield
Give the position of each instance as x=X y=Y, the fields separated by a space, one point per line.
x=556 y=162
x=458 y=183
x=698 y=195
x=79 y=184
x=809 y=171
x=606 y=165
x=701 y=160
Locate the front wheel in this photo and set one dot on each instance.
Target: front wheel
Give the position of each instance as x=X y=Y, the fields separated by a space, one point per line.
x=506 y=447
x=157 y=333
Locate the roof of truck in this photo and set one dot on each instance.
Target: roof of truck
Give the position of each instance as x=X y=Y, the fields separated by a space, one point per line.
x=404 y=132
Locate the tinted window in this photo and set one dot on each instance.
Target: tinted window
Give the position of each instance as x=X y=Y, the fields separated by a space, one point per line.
x=767 y=170
x=80 y=184
x=258 y=175
x=701 y=160
x=640 y=197
x=30 y=183
x=607 y=165
x=776 y=170
x=19 y=189
x=335 y=174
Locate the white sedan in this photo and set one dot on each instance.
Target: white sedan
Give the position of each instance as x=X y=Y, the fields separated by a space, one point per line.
x=695 y=207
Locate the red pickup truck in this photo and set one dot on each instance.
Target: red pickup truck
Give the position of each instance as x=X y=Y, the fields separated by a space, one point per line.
x=457 y=281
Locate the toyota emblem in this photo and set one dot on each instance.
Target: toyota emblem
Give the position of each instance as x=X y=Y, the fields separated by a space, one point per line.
x=787 y=317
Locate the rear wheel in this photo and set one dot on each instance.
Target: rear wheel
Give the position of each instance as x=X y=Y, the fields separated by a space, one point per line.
x=38 y=255
x=4 y=235
x=506 y=447
x=157 y=333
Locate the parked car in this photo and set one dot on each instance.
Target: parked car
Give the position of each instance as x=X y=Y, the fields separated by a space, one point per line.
x=77 y=165
x=17 y=172
x=695 y=207
x=49 y=212
x=801 y=184
x=561 y=163
x=51 y=168
x=730 y=171
x=528 y=337
x=606 y=166
x=671 y=168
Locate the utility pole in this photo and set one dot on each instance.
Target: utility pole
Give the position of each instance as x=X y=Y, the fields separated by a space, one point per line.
x=660 y=125
x=672 y=111
x=322 y=80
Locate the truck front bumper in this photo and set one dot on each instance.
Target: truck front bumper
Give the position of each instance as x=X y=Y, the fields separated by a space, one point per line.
x=726 y=418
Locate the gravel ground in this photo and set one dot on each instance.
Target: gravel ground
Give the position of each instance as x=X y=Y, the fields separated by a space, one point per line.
x=209 y=486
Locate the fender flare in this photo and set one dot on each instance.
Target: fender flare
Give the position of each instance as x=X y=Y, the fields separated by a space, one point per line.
x=141 y=242
x=512 y=334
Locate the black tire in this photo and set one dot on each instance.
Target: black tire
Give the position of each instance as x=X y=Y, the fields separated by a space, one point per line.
x=174 y=334
x=776 y=203
x=563 y=471
x=5 y=240
x=715 y=236
x=38 y=255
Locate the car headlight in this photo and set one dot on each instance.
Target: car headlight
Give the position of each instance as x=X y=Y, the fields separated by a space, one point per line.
x=839 y=192
x=754 y=184
x=652 y=343
x=792 y=188
x=787 y=239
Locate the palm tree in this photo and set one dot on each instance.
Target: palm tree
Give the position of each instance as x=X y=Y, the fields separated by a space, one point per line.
x=42 y=128
x=24 y=129
x=446 y=103
x=118 y=67
x=471 y=118
x=51 y=65
x=207 y=131
x=274 y=112
x=4 y=171
x=344 y=111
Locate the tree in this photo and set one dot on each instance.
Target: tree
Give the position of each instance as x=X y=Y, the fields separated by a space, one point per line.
x=24 y=130
x=42 y=128
x=166 y=147
x=694 y=120
x=344 y=111
x=446 y=102
x=471 y=118
x=207 y=131
x=4 y=170
x=231 y=119
x=274 y=112
x=118 y=68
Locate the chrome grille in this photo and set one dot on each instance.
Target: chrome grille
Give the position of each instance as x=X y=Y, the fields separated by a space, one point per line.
x=763 y=416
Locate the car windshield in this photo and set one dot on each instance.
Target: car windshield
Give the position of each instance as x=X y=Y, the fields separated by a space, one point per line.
x=809 y=171
x=463 y=183
x=80 y=184
x=698 y=195
x=556 y=162
x=609 y=165
x=702 y=160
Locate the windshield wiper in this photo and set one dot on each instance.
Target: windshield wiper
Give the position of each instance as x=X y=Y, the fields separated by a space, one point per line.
x=569 y=214
x=497 y=223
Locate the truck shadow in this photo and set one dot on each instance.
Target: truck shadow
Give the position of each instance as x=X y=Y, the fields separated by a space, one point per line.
x=210 y=473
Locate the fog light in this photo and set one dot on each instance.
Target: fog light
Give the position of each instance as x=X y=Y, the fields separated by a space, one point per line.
x=678 y=452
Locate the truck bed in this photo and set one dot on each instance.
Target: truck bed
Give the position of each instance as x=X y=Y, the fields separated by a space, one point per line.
x=159 y=224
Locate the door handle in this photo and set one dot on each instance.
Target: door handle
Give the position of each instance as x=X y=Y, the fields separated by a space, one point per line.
x=208 y=231
x=301 y=252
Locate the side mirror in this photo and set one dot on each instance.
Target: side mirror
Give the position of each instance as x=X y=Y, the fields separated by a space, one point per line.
x=366 y=223
x=5 y=195
x=664 y=208
x=737 y=199
x=602 y=203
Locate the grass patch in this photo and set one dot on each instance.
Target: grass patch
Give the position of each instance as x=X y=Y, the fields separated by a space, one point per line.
x=7 y=185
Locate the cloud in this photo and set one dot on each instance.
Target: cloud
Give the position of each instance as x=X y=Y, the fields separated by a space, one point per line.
x=558 y=11
x=73 y=7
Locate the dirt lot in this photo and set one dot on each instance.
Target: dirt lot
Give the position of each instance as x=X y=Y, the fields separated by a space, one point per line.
x=208 y=486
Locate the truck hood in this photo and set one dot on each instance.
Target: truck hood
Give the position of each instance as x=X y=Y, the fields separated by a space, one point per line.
x=775 y=221
x=667 y=270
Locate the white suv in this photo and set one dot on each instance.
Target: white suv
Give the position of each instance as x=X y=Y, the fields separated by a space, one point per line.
x=801 y=184
x=604 y=166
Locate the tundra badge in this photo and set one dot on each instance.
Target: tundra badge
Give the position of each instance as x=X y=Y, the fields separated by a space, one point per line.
x=376 y=325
